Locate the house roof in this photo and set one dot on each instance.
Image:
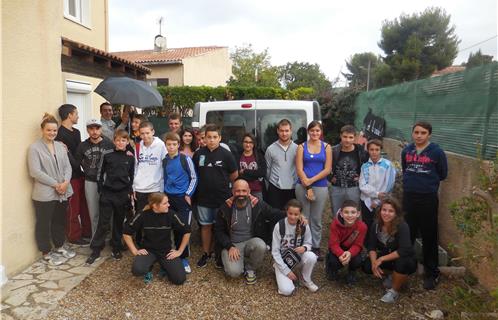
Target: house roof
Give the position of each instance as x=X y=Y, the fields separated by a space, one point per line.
x=447 y=70
x=168 y=56
x=78 y=46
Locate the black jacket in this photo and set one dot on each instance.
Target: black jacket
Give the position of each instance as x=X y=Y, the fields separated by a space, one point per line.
x=262 y=215
x=251 y=175
x=400 y=242
x=117 y=172
x=336 y=150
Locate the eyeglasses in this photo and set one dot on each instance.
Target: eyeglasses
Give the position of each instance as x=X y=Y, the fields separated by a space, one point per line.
x=248 y=142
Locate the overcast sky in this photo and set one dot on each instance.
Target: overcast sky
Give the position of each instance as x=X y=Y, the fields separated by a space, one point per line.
x=325 y=32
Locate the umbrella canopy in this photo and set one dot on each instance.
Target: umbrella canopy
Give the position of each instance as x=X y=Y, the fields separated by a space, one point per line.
x=123 y=90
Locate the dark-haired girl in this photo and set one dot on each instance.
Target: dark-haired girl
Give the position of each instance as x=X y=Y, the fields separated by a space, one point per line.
x=252 y=165
x=187 y=142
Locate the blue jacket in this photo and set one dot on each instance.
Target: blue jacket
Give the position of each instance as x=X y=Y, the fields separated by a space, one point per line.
x=179 y=181
x=423 y=172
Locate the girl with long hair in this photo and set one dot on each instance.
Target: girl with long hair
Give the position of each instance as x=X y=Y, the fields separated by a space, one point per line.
x=187 y=142
x=252 y=165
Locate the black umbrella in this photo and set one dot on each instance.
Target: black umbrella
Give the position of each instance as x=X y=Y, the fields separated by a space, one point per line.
x=123 y=90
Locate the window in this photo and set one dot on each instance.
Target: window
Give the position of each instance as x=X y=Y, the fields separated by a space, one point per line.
x=78 y=11
x=267 y=124
x=158 y=82
x=234 y=124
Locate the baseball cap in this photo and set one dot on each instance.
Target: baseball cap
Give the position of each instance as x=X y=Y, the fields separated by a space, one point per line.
x=94 y=122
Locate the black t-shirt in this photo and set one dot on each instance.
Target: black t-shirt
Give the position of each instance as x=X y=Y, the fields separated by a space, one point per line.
x=156 y=229
x=71 y=139
x=346 y=169
x=213 y=169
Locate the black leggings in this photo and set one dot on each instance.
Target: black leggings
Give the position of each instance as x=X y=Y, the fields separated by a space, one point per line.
x=334 y=264
x=174 y=268
x=402 y=265
x=278 y=198
x=50 y=223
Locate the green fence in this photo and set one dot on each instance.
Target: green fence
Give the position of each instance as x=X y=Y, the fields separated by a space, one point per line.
x=462 y=107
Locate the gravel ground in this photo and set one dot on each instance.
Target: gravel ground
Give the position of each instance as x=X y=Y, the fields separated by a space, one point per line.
x=111 y=292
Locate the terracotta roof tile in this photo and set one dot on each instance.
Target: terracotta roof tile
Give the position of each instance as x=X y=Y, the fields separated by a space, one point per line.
x=447 y=70
x=173 y=55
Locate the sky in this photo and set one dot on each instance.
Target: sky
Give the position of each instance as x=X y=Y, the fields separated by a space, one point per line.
x=325 y=32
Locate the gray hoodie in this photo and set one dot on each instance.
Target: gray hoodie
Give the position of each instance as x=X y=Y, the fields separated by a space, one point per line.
x=281 y=165
x=47 y=171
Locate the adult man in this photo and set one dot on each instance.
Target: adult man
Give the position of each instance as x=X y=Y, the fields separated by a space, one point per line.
x=281 y=167
x=424 y=165
x=108 y=125
x=347 y=158
x=239 y=231
x=78 y=225
x=89 y=155
x=174 y=124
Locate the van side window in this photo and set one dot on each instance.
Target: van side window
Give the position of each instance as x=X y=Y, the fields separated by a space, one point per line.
x=234 y=124
x=267 y=124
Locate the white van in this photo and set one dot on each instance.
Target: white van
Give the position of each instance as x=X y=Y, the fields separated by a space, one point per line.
x=259 y=117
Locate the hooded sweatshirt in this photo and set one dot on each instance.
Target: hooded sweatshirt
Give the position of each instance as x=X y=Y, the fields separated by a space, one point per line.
x=423 y=172
x=90 y=156
x=340 y=241
x=281 y=165
x=149 y=167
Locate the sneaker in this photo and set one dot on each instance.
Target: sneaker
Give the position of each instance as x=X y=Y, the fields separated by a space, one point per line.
x=250 y=277
x=203 y=260
x=351 y=278
x=162 y=273
x=80 y=242
x=431 y=282
x=66 y=251
x=95 y=256
x=218 y=263
x=332 y=276
x=388 y=282
x=390 y=297
x=186 y=266
x=54 y=258
x=116 y=254
x=310 y=285
x=148 y=277
x=318 y=253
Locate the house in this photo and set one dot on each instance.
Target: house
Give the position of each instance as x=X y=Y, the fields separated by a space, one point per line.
x=195 y=66
x=53 y=52
x=447 y=70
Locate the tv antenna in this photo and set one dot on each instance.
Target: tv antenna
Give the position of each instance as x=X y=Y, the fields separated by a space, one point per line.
x=160 y=22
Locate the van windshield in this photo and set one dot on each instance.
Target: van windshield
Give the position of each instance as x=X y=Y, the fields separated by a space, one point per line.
x=267 y=125
x=234 y=124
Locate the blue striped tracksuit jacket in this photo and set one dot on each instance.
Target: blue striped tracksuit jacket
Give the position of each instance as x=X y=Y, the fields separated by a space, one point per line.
x=375 y=178
x=177 y=181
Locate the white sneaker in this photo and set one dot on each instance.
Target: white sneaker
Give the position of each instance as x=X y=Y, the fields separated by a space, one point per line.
x=390 y=297
x=66 y=251
x=310 y=285
x=54 y=258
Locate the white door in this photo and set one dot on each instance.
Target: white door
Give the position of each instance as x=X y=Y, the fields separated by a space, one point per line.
x=79 y=94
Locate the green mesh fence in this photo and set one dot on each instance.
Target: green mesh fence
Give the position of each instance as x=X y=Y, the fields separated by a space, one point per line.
x=462 y=108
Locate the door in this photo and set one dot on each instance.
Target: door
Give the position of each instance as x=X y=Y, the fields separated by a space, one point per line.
x=79 y=94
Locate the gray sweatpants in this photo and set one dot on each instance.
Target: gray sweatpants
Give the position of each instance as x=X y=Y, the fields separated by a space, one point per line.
x=92 y=202
x=338 y=195
x=313 y=210
x=252 y=253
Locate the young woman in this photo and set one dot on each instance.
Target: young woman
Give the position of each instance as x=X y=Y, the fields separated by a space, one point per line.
x=390 y=248
x=187 y=142
x=156 y=222
x=252 y=165
x=291 y=233
x=313 y=165
x=50 y=168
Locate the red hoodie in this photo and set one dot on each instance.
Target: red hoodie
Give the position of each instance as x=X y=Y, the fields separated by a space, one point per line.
x=339 y=237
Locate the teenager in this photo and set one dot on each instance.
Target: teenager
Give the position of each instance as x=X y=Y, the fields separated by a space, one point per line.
x=156 y=222
x=216 y=169
x=89 y=155
x=280 y=159
x=180 y=181
x=149 y=173
x=347 y=158
x=313 y=165
x=377 y=179
x=50 y=169
x=389 y=248
x=78 y=225
x=187 y=143
x=424 y=166
x=136 y=121
x=174 y=124
x=108 y=125
x=252 y=165
x=291 y=233
x=115 y=188
x=240 y=232
x=347 y=234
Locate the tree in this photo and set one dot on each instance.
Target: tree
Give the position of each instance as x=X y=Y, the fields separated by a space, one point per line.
x=358 y=65
x=417 y=45
x=478 y=59
x=303 y=74
x=251 y=68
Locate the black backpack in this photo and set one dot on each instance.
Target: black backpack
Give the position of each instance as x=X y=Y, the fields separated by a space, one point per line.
x=281 y=227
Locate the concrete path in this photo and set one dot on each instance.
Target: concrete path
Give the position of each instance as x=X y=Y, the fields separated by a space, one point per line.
x=32 y=293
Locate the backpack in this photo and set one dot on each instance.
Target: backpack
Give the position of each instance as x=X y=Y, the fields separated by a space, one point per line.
x=281 y=226
x=183 y=161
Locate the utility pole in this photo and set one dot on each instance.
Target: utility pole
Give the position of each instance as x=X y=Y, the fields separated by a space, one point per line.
x=368 y=75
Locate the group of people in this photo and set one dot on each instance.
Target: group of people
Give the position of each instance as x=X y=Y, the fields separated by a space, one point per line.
x=144 y=191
